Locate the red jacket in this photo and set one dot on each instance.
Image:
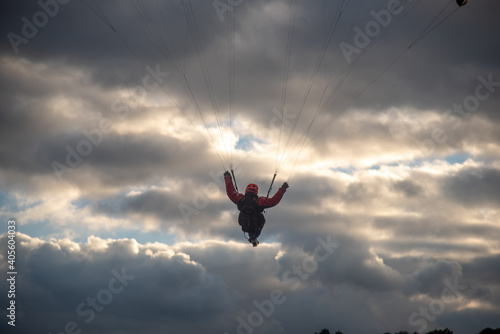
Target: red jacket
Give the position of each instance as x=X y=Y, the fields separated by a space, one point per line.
x=264 y=202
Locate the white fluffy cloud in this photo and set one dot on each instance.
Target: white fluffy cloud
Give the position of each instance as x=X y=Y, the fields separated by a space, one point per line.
x=104 y=283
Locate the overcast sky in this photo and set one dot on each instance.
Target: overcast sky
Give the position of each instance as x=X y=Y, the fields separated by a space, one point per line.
x=116 y=125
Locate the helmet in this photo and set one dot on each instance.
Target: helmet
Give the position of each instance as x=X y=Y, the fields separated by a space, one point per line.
x=252 y=188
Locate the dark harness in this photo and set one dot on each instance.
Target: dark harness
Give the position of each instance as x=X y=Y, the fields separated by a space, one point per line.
x=251 y=218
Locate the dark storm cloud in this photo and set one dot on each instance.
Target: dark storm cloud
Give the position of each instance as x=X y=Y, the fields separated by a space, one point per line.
x=228 y=259
x=262 y=26
x=353 y=263
x=152 y=202
x=78 y=127
x=484 y=269
x=220 y=282
x=408 y=188
x=474 y=186
x=116 y=160
x=183 y=206
x=43 y=129
x=69 y=35
x=426 y=76
x=102 y=281
x=353 y=266
x=27 y=118
x=426 y=228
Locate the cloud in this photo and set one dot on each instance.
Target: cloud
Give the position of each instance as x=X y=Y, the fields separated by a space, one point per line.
x=408 y=188
x=190 y=286
x=95 y=283
x=474 y=186
x=401 y=171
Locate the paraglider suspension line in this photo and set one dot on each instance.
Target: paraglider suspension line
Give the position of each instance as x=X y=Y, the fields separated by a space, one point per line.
x=271 y=186
x=234 y=179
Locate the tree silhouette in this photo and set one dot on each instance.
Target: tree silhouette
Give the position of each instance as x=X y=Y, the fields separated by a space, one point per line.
x=440 y=331
x=324 y=331
x=436 y=331
x=490 y=331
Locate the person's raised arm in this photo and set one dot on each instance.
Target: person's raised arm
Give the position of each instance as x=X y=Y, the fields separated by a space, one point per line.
x=233 y=195
x=267 y=202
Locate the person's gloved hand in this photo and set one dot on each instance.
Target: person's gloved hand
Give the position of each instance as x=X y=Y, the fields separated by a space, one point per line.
x=227 y=174
x=285 y=185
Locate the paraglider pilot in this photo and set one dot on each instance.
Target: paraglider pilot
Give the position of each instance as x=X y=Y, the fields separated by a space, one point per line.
x=251 y=206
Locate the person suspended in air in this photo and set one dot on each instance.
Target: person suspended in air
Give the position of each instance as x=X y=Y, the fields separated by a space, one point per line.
x=252 y=206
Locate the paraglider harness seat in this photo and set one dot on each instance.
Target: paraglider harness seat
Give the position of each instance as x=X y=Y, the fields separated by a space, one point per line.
x=251 y=217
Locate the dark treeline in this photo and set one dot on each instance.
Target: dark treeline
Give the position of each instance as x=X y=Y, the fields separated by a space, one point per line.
x=436 y=331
